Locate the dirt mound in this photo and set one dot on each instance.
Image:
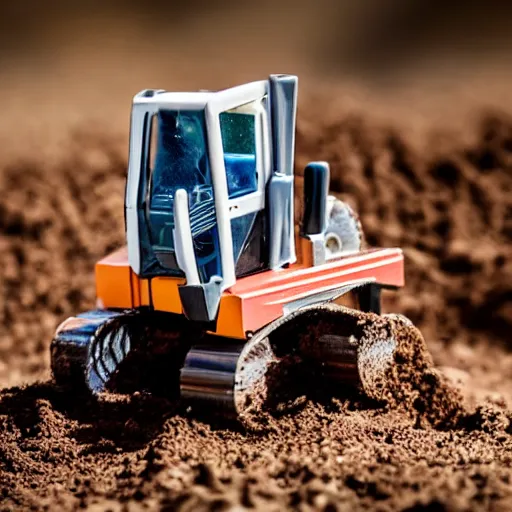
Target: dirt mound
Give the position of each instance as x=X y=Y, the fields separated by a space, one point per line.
x=448 y=204
x=344 y=452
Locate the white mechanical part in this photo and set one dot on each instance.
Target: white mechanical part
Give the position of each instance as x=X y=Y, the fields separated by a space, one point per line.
x=344 y=233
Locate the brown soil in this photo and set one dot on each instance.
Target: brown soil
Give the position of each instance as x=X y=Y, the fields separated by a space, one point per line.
x=436 y=438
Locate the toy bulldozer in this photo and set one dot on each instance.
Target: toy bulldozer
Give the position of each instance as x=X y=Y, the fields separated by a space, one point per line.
x=215 y=283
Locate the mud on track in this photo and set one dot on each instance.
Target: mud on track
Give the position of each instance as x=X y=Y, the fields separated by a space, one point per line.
x=446 y=201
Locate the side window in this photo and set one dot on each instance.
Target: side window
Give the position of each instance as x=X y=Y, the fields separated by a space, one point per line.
x=238 y=130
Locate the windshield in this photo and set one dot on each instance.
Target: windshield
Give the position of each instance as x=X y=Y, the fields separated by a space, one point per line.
x=179 y=159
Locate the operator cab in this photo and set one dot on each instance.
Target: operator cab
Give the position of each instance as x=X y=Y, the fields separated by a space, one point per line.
x=198 y=173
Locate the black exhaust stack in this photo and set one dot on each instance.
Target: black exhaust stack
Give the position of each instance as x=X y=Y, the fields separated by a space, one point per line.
x=316 y=189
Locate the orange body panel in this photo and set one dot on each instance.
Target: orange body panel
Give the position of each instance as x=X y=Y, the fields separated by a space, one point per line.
x=113 y=281
x=165 y=294
x=230 y=321
x=264 y=295
x=253 y=301
x=117 y=286
x=140 y=291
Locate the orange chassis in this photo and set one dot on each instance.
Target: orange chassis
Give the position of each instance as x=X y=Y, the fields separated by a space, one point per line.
x=255 y=300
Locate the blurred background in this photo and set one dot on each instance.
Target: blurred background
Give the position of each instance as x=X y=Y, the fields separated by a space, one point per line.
x=328 y=36
x=60 y=56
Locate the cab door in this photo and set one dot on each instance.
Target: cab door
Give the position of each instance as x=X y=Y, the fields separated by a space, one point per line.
x=247 y=165
x=240 y=153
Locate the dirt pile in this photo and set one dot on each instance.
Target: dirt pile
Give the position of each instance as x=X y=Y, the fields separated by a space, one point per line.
x=448 y=204
x=409 y=382
x=339 y=348
x=340 y=453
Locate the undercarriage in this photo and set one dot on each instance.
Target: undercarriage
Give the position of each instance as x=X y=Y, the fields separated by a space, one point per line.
x=165 y=354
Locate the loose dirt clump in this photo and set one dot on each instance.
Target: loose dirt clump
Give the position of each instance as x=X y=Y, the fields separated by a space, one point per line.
x=409 y=382
x=434 y=434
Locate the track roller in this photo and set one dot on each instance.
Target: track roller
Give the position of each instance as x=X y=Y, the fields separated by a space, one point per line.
x=218 y=377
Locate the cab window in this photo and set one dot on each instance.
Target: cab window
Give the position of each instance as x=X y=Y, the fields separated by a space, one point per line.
x=238 y=130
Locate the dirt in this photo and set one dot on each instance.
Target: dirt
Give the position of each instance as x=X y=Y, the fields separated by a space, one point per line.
x=436 y=436
x=409 y=380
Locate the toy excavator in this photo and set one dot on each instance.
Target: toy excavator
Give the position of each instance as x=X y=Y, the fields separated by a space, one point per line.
x=215 y=283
